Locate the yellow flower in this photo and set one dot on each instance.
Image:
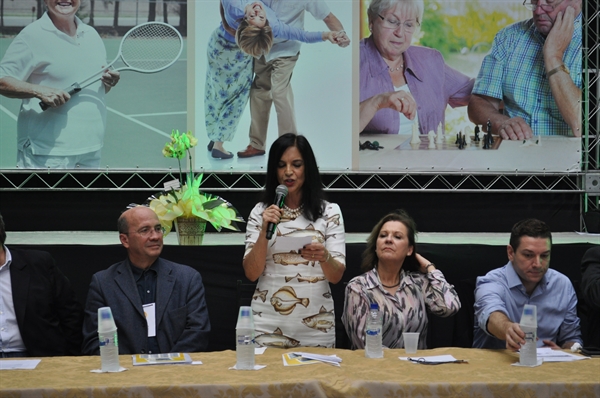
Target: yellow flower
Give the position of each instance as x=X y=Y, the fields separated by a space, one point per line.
x=189 y=201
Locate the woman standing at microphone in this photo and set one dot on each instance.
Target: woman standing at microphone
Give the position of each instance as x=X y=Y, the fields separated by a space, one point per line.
x=292 y=303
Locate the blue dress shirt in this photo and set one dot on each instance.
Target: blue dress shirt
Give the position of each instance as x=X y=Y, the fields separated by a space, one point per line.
x=502 y=290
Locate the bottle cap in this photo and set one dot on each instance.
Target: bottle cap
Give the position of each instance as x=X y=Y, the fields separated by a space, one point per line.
x=529 y=316
x=374 y=306
x=106 y=322
x=245 y=318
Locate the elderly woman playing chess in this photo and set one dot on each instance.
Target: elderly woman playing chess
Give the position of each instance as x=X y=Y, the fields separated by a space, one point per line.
x=401 y=83
x=404 y=284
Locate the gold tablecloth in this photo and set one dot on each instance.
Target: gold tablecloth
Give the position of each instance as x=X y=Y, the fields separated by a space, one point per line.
x=488 y=374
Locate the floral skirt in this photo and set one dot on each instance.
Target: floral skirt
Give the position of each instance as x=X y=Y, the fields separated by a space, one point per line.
x=228 y=79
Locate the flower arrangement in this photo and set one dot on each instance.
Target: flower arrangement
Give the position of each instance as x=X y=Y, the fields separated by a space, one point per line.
x=189 y=201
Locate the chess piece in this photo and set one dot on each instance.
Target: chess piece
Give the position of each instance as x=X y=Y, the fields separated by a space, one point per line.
x=440 y=134
x=467 y=134
x=489 y=127
x=461 y=141
x=477 y=131
x=415 y=133
x=431 y=135
x=457 y=138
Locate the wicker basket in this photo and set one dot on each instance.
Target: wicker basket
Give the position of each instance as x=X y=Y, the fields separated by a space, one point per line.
x=190 y=231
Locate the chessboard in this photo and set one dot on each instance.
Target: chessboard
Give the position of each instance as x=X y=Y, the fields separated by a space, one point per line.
x=449 y=142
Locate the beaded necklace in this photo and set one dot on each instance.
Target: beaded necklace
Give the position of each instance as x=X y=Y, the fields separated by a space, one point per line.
x=292 y=214
x=395 y=69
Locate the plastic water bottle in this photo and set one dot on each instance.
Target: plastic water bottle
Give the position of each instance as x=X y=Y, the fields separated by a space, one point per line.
x=528 y=324
x=109 y=343
x=373 y=348
x=244 y=336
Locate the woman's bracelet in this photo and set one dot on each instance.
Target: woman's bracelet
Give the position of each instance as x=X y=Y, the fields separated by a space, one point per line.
x=328 y=257
x=429 y=265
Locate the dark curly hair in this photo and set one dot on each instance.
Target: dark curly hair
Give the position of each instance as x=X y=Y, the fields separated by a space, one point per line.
x=369 y=256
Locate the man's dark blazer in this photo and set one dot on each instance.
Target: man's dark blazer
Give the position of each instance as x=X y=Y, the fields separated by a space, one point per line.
x=182 y=323
x=48 y=313
x=589 y=305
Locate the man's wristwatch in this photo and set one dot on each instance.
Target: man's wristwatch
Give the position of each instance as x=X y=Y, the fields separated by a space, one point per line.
x=562 y=68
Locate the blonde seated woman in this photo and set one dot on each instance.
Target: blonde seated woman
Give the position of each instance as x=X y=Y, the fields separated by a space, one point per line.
x=246 y=32
x=403 y=283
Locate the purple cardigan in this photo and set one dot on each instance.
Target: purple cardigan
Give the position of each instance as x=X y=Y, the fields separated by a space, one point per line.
x=432 y=83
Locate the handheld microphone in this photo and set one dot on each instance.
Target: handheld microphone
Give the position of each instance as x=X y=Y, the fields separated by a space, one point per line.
x=280 y=193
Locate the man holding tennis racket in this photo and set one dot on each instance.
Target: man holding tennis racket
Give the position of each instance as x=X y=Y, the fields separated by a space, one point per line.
x=48 y=56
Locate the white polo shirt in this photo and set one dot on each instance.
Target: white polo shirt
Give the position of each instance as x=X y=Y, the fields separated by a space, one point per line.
x=42 y=54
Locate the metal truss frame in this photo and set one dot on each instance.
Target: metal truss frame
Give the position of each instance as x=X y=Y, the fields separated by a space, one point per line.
x=351 y=181
x=97 y=180
x=590 y=197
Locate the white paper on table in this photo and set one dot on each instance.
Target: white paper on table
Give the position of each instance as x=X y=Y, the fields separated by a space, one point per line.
x=538 y=363
x=550 y=355
x=259 y=350
x=121 y=369
x=286 y=244
x=434 y=358
x=11 y=364
x=332 y=359
x=256 y=367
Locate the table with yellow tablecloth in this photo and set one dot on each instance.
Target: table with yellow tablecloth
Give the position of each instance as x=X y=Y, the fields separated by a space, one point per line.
x=487 y=373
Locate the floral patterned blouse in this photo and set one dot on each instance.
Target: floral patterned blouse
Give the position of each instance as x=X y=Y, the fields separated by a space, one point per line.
x=405 y=311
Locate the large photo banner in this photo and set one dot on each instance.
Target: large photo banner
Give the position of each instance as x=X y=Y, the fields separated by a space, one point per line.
x=422 y=63
x=374 y=85
x=124 y=126
x=303 y=84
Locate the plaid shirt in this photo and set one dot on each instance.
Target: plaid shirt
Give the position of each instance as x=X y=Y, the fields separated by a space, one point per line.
x=514 y=71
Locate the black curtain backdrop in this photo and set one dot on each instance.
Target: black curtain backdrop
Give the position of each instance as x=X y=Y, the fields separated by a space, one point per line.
x=220 y=267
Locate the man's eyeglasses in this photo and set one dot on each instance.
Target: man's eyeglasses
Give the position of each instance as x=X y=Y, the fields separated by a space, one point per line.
x=409 y=26
x=546 y=7
x=147 y=231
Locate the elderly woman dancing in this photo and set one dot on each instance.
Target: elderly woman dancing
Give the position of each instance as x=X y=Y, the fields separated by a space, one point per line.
x=397 y=78
x=402 y=282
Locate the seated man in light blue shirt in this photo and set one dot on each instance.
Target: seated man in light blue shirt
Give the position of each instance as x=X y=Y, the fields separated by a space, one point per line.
x=501 y=294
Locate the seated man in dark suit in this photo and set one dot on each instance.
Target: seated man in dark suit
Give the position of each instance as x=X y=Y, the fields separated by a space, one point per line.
x=39 y=311
x=590 y=294
x=158 y=305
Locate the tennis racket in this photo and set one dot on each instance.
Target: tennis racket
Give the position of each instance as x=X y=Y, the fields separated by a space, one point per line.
x=146 y=48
